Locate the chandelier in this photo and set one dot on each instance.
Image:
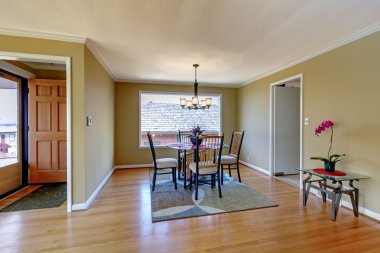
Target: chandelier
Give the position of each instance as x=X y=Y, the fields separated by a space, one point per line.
x=194 y=102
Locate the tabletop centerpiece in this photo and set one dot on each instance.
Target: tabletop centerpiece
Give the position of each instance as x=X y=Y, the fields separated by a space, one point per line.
x=331 y=159
x=195 y=131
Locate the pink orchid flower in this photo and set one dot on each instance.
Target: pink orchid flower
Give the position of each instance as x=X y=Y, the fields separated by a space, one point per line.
x=323 y=126
x=328 y=123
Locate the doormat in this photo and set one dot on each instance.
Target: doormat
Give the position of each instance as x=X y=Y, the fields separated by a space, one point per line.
x=47 y=196
x=168 y=203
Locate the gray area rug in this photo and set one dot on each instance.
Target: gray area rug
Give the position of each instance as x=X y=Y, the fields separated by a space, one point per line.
x=47 y=196
x=168 y=203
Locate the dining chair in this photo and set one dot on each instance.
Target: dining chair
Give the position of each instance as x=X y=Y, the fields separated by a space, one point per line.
x=207 y=161
x=233 y=154
x=183 y=137
x=162 y=164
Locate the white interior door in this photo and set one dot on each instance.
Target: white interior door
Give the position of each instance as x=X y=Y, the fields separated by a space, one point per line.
x=286 y=130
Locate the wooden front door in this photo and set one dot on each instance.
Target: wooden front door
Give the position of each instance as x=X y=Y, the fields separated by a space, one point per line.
x=47 y=131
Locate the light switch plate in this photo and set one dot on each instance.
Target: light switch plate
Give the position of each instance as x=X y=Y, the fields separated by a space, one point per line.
x=89 y=120
x=306 y=121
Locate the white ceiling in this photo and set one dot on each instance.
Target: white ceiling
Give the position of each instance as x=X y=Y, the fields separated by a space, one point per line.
x=45 y=65
x=234 y=41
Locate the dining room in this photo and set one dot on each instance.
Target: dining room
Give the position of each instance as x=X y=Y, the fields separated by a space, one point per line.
x=171 y=125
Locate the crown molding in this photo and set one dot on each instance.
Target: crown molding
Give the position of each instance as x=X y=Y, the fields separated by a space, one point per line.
x=39 y=35
x=169 y=82
x=92 y=47
x=358 y=35
x=76 y=39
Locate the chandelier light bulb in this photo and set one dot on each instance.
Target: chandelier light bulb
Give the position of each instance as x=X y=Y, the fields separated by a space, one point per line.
x=195 y=101
x=183 y=102
x=208 y=101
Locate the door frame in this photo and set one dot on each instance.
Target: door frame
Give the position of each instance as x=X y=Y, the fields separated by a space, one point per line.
x=271 y=123
x=58 y=59
x=22 y=100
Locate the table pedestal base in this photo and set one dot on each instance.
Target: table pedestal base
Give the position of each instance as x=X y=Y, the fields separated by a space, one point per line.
x=335 y=194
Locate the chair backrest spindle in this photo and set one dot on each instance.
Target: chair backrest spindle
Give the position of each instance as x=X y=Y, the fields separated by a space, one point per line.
x=183 y=136
x=236 y=142
x=205 y=152
x=152 y=148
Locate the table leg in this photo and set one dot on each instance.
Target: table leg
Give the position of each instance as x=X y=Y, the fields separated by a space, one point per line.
x=305 y=192
x=184 y=169
x=323 y=186
x=179 y=164
x=336 y=195
x=354 y=198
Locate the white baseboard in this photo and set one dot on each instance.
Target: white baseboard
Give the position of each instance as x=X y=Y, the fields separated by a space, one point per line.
x=77 y=207
x=132 y=166
x=255 y=167
x=362 y=210
x=84 y=206
x=348 y=205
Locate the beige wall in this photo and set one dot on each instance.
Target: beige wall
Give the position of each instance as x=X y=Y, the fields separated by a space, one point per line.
x=127 y=151
x=99 y=141
x=76 y=52
x=341 y=85
x=253 y=117
x=50 y=74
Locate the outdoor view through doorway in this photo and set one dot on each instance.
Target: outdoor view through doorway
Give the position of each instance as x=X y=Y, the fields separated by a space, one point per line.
x=10 y=140
x=8 y=123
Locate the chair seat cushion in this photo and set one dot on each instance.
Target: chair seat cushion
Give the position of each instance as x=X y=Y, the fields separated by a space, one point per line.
x=166 y=163
x=228 y=159
x=205 y=168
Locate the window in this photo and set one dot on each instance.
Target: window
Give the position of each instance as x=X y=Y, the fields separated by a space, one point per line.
x=161 y=114
x=8 y=125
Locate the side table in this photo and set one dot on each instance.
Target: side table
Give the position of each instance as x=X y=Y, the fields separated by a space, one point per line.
x=335 y=192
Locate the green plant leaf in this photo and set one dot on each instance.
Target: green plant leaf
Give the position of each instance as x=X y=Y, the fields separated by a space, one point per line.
x=319 y=158
x=335 y=157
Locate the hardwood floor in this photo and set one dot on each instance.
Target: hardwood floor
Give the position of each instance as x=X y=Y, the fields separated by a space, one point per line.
x=120 y=221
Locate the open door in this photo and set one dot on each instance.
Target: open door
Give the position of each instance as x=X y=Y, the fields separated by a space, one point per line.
x=286 y=130
x=47 y=131
x=10 y=133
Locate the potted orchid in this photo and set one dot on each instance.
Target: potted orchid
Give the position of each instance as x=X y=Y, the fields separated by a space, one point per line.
x=195 y=131
x=331 y=159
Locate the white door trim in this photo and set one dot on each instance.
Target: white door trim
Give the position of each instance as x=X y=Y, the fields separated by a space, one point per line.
x=271 y=125
x=67 y=61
